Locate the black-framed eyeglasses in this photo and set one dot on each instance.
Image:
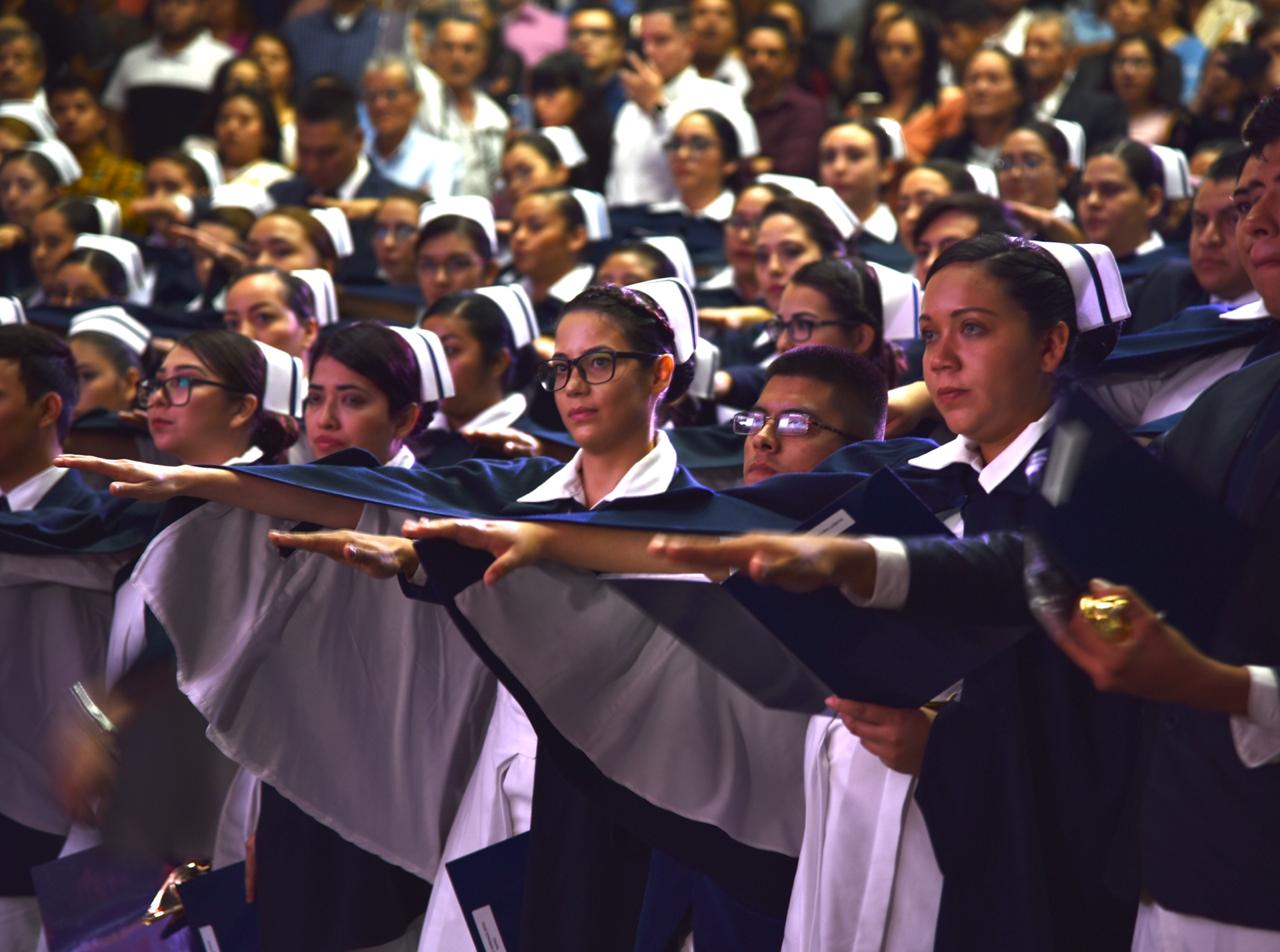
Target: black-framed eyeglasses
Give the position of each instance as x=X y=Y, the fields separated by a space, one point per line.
x=177 y=390
x=1030 y=162
x=698 y=145
x=799 y=329
x=790 y=423
x=597 y=365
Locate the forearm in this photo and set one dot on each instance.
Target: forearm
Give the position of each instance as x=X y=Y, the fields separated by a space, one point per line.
x=244 y=490
x=600 y=549
x=1218 y=687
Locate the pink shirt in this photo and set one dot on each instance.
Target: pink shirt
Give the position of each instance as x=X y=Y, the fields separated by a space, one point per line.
x=533 y=32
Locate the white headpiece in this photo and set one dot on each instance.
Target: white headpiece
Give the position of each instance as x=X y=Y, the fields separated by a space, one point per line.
x=1073 y=132
x=114 y=321
x=677 y=252
x=471 y=207
x=897 y=142
x=209 y=163
x=594 y=212
x=738 y=117
x=1095 y=281
x=676 y=301
x=130 y=258
x=60 y=157
x=984 y=180
x=326 y=295
x=900 y=301
x=705 y=365
x=823 y=197
x=11 y=311
x=1177 y=174
x=335 y=223
x=285 y=390
x=566 y=144
x=433 y=368
x=517 y=308
x=108 y=214
x=249 y=197
x=33 y=116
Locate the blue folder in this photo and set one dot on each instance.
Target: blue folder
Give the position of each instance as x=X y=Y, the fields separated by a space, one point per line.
x=217 y=912
x=489 y=884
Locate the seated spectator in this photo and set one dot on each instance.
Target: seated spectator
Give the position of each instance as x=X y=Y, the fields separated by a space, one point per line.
x=337 y=40
x=715 y=36
x=247 y=138
x=22 y=66
x=1056 y=88
x=1229 y=83
x=276 y=59
x=82 y=125
x=398 y=148
x=563 y=95
x=927 y=182
x=1171 y=27
x=333 y=170
x=788 y=119
x=857 y=162
x=598 y=35
x=899 y=81
x=30 y=181
x=995 y=91
x=87 y=275
x=949 y=221
x=170 y=75
x=395 y=229
x=53 y=235
x=1133 y=66
x=1034 y=170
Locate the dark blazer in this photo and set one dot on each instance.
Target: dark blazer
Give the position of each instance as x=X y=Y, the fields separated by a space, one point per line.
x=360 y=267
x=1101 y=114
x=1167 y=290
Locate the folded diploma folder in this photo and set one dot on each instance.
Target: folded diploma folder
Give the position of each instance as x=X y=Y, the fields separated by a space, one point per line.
x=489 y=884
x=792 y=651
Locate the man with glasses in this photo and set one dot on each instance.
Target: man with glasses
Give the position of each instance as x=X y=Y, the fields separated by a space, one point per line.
x=598 y=36
x=397 y=147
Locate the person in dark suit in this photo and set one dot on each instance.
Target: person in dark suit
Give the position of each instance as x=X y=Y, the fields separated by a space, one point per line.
x=333 y=171
x=1056 y=89
x=1215 y=274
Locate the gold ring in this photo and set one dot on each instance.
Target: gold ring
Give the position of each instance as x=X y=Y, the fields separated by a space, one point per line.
x=1107 y=614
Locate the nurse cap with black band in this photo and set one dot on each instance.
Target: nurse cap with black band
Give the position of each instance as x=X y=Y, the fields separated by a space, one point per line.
x=285 y=388
x=513 y=300
x=433 y=368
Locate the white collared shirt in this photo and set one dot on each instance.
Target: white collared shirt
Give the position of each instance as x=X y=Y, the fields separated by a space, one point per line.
x=881 y=224
x=347 y=190
x=251 y=455
x=651 y=475
x=499 y=416
x=481 y=140
x=404 y=459
x=1153 y=243
x=1063 y=210
x=732 y=71
x=718 y=210
x=1047 y=108
x=420 y=161
x=1013 y=36
x=28 y=493
x=1249 y=297
x=893 y=569
x=149 y=64
x=568 y=286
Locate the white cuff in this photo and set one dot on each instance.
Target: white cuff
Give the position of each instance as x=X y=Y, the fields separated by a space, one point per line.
x=186 y=207
x=1257 y=734
x=893 y=575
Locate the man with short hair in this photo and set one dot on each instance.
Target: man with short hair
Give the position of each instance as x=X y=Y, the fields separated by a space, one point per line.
x=599 y=37
x=966 y=25
x=81 y=125
x=333 y=170
x=457 y=110
x=168 y=76
x=661 y=86
x=788 y=120
x=715 y=33
x=1047 y=55
x=22 y=66
x=397 y=147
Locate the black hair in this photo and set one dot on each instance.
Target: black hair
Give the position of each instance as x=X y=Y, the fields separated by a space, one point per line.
x=385 y=359
x=239 y=220
x=730 y=146
x=557 y=71
x=266 y=114
x=539 y=144
x=852 y=290
x=67 y=80
x=121 y=358
x=991 y=214
x=643 y=323
x=80 y=215
x=800 y=11
x=238 y=363
x=659 y=263
x=1017 y=73
x=766 y=21
x=566 y=206
x=316 y=233
x=222 y=88
x=1165 y=98
x=1263 y=125
x=958 y=177
x=884 y=144
x=284 y=44
x=489 y=326
x=861 y=393
x=45 y=365
x=870 y=78
x=966 y=12
x=1139 y=161
x=193 y=169
x=456 y=225
x=1052 y=138
x=1228 y=166
x=405 y=194
x=329 y=99
x=295 y=294
x=106 y=267
x=819 y=228
x=676 y=9
x=1243 y=62
x=596 y=6
x=42 y=166
x=1032 y=277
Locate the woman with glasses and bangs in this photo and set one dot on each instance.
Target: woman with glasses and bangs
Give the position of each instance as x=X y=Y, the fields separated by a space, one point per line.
x=1035 y=175
x=615 y=363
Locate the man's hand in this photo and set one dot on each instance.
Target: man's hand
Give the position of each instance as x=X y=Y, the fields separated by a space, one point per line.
x=642 y=82
x=895 y=735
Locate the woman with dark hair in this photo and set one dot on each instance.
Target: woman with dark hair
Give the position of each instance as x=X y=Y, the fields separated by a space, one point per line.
x=547 y=241
x=532 y=161
x=631 y=262
x=1133 y=68
x=273 y=54
x=792 y=233
x=1229 y=89
x=395 y=233
x=900 y=82
x=995 y=93
x=1121 y=200
x=704 y=157
x=88 y=274
x=278 y=308
x=110 y=350
x=735 y=285
x=456 y=251
x=564 y=95
x=29 y=183
x=53 y=236
x=247 y=136
x=1034 y=171
x=927 y=182
x=855 y=158
x=291 y=238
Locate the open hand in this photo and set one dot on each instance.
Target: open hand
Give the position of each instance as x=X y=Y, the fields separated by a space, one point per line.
x=513 y=544
x=797 y=563
x=374 y=555
x=149 y=482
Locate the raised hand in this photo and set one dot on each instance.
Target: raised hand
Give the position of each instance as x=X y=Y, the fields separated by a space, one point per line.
x=375 y=555
x=642 y=82
x=513 y=544
x=149 y=482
